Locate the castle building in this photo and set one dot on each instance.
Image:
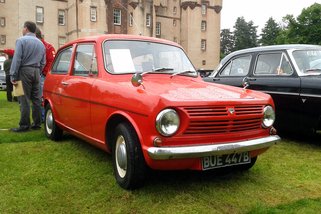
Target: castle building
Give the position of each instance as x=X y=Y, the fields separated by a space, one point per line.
x=194 y=24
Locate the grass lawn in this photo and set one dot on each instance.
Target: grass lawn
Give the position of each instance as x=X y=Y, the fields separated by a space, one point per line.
x=41 y=176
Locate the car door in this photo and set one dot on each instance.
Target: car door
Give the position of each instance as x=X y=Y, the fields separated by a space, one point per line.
x=54 y=83
x=273 y=73
x=233 y=71
x=77 y=88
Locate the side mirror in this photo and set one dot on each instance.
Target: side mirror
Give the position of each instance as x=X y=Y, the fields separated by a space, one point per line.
x=137 y=80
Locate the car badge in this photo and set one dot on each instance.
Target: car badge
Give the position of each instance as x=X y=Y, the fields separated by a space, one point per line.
x=231 y=110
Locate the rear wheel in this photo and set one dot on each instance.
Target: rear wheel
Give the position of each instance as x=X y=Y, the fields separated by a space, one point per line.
x=128 y=160
x=52 y=131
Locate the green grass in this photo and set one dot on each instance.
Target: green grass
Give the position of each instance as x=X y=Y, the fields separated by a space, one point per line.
x=41 y=176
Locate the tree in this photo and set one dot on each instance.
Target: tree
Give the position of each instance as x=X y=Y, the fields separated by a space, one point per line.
x=305 y=29
x=270 y=32
x=244 y=34
x=227 y=42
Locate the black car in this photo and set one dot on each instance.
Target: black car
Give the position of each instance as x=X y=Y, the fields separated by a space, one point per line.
x=291 y=74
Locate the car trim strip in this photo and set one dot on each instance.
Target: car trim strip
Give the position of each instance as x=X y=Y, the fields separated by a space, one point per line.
x=310 y=95
x=166 y=153
x=293 y=94
x=283 y=93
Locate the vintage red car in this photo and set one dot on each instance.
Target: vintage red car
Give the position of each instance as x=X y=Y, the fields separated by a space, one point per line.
x=141 y=99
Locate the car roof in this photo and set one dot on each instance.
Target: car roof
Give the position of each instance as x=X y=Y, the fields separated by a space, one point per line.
x=103 y=37
x=271 y=48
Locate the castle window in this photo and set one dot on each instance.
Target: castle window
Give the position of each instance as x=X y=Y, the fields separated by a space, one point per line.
x=61 y=17
x=203 y=26
x=203 y=45
x=39 y=14
x=93 y=14
x=131 y=19
x=148 y=20
x=2 y=21
x=158 y=28
x=204 y=7
x=117 y=17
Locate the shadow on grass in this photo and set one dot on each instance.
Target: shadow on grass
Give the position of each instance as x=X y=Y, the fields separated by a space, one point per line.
x=6 y=136
x=314 y=140
x=162 y=179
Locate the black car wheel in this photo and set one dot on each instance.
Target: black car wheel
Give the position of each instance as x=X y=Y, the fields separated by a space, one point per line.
x=128 y=160
x=52 y=131
x=247 y=166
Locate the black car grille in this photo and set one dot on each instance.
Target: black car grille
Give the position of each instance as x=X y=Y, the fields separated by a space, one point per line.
x=214 y=120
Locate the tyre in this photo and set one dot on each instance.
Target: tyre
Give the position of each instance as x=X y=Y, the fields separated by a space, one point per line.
x=52 y=131
x=247 y=166
x=128 y=160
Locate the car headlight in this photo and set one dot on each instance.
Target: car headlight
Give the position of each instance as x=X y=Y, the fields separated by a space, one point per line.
x=268 y=117
x=167 y=122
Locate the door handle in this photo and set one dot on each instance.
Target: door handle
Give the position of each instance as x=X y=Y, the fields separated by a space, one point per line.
x=251 y=79
x=64 y=83
x=216 y=79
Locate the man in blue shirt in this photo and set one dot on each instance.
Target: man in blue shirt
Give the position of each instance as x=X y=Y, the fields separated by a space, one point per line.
x=28 y=60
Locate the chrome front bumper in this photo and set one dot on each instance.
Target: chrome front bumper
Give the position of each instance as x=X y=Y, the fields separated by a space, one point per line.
x=166 y=153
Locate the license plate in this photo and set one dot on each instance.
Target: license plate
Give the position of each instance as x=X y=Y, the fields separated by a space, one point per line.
x=219 y=161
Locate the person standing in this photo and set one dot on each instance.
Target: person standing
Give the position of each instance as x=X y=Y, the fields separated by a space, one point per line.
x=28 y=60
x=50 y=56
x=7 y=65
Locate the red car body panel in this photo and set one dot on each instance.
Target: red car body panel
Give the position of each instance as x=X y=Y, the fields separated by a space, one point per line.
x=85 y=105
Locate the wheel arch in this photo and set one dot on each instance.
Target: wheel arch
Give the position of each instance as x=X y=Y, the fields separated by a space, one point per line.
x=111 y=124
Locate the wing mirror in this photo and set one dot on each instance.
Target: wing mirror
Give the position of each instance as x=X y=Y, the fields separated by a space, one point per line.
x=137 y=80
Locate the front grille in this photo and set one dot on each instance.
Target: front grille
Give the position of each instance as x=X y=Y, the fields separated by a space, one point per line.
x=214 y=120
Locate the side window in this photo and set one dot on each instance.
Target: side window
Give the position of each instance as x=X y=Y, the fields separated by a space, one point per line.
x=85 y=61
x=273 y=64
x=237 y=67
x=61 y=65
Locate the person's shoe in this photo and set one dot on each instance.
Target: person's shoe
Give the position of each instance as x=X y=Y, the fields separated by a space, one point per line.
x=19 y=129
x=34 y=127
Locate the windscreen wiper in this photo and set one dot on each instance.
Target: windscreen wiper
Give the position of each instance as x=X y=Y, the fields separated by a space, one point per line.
x=182 y=72
x=157 y=70
x=313 y=69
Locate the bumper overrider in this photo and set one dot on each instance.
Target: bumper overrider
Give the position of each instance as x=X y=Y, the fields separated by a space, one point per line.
x=166 y=153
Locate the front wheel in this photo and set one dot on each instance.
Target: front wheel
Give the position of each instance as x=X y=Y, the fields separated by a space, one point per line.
x=247 y=166
x=52 y=131
x=128 y=160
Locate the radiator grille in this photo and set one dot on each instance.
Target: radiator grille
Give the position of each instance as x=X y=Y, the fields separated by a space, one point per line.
x=214 y=120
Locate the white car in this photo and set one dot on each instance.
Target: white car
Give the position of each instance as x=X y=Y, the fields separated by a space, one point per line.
x=3 y=84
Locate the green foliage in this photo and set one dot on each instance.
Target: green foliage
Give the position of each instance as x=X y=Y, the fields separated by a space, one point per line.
x=305 y=29
x=244 y=34
x=270 y=32
x=227 y=42
x=41 y=176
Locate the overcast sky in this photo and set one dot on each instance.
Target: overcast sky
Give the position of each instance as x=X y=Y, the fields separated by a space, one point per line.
x=259 y=11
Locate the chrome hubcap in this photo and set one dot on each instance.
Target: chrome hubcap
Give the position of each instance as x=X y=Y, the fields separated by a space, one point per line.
x=49 y=121
x=121 y=156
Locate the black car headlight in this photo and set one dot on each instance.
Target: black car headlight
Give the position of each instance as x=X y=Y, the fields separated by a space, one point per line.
x=167 y=122
x=268 y=117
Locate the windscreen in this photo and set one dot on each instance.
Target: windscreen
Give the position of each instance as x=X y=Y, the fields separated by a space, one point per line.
x=123 y=57
x=308 y=61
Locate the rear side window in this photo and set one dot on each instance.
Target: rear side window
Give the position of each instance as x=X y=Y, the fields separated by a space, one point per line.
x=85 y=61
x=62 y=62
x=238 y=66
x=273 y=64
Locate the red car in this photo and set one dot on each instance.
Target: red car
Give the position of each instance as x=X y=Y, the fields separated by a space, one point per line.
x=141 y=99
